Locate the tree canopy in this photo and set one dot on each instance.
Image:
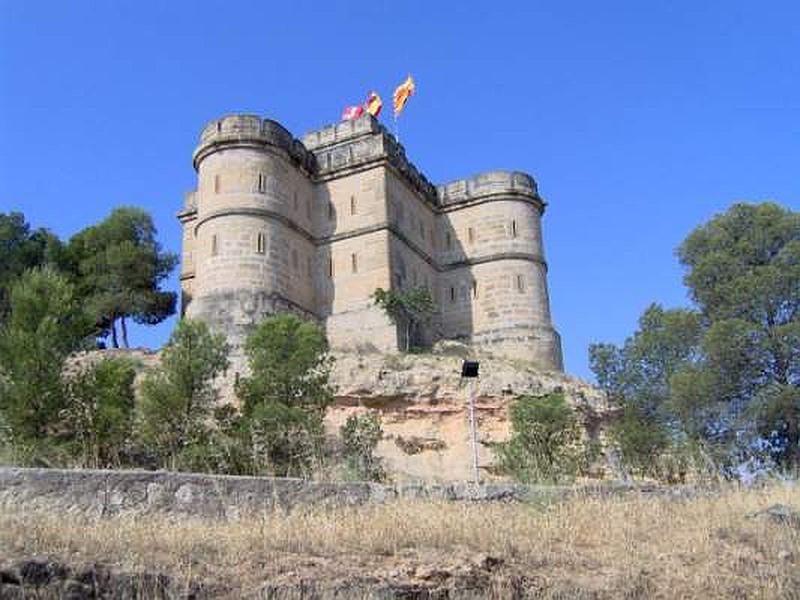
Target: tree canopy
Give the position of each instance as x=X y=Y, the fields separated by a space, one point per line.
x=121 y=267
x=21 y=249
x=725 y=373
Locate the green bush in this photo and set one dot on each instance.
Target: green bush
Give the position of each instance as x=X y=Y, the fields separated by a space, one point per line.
x=177 y=398
x=545 y=443
x=285 y=396
x=100 y=412
x=360 y=436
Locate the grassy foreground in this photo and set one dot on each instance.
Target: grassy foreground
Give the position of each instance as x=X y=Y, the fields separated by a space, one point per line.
x=630 y=546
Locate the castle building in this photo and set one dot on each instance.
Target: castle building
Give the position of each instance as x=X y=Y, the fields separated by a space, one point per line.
x=315 y=226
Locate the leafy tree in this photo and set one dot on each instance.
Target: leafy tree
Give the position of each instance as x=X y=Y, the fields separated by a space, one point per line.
x=177 y=398
x=723 y=377
x=100 y=411
x=743 y=270
x=360 y=436
x=21 y=249
x=545 y=443
x=45 y=324
x=408 y=309
x=121 y=267
x=285 y=396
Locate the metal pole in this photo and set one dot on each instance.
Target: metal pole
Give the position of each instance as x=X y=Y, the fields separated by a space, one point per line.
x=473 y=430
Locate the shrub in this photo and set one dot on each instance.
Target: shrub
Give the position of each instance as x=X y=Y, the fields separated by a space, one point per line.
x=100 y=411
x=545 y=443
x=360 y=436
x=178 y=396
x=285 y=396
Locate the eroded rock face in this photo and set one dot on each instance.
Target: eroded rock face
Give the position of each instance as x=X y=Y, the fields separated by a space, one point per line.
x=422 y=401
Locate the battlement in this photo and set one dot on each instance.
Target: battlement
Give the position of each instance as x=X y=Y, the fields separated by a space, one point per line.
x=244 y=130
x=490 y=183
x=351 y=144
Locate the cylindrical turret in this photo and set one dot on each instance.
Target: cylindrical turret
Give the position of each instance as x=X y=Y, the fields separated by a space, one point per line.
x=252 y=248
x=495 y=275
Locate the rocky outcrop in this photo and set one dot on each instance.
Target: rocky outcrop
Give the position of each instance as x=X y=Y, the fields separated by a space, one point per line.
x=422 y=401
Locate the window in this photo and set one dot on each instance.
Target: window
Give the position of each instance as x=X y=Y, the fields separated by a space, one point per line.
x=308 y=265
x=514 y=229
x=448 y=241
x=330 y=266
x=214 y=246
x=452 y=294
x=331 y=212
x=354 y=262
x=352 y=205
x=219 y=126
x=262 y=184
x=474 y=289
x=216 y=184
x=260 y=244
x=421 y=230
x=520 y=283
x=295 y=261
x=471 y=235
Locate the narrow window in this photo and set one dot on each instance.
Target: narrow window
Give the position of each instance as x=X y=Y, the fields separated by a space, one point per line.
x=261 y=183
x=471 y=235
x=330 y=266
x=452 y=294
x=421 y=230
x=354 y=262
x=260 y=244
x=352 y=205
x=330 y=211
x=216 y=184
x=214 y=245
x=474 y=289
x=514 y=229
x=520 y=284
x=448 y=241
x=219 y=126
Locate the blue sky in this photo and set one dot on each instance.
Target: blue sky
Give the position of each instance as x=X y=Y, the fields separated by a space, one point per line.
x=639 y=120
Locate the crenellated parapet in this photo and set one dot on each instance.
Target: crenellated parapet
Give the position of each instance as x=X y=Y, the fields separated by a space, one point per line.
x=354 y=144
x=250 y=130
x=488 y=184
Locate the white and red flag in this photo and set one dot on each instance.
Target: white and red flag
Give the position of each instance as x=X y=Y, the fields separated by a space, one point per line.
x=352 y=112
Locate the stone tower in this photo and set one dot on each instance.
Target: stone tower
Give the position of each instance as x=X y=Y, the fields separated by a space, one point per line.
x=314 y=227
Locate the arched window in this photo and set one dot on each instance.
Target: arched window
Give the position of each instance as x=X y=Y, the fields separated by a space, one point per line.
x=214 y=245
x=260 y=243
x=354 y=262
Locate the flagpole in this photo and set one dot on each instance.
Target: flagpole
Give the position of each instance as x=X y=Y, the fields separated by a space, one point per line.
x=396 y=128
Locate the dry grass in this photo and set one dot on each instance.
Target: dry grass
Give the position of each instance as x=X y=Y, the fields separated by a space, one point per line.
x=628 y=546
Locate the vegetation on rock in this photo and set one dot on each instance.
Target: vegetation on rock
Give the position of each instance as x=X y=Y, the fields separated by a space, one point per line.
x=408 y=309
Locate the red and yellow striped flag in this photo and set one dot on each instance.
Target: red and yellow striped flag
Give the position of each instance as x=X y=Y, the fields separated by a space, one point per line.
x=403 y=92
x=374 y=104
